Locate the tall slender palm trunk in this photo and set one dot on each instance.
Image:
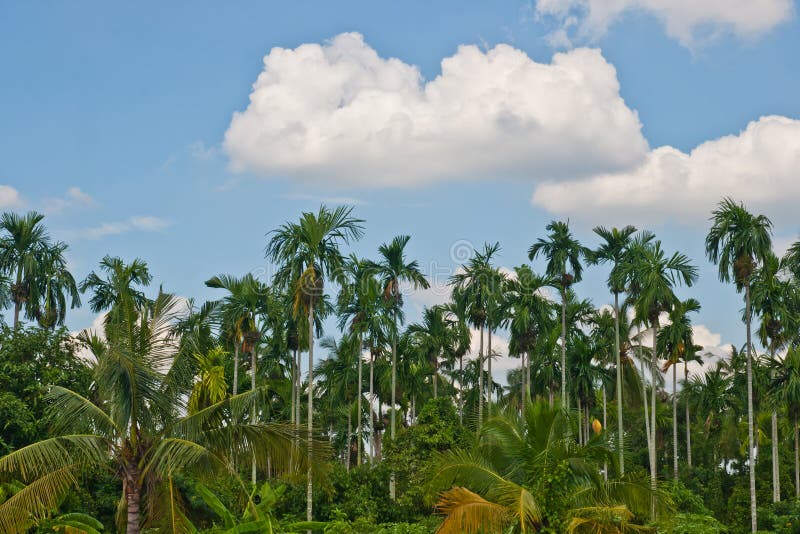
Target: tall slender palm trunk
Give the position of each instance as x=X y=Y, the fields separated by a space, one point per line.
x=523 y=372
x=653 y=371
x=235 y=367
x=688 y=419
x=461 y=389
x=750 y=440
x=644 y=391
x=776 y=480
x=436 y=377
x=796 y=459
x=253 y=415
x=392 y=481
x=349 y=437
x=371 y=403
x=674 y=421
x=480 y=381
x=605 y=425
x=310 y=429
x=580 y=421
x=489 y=380
x=564 y=404
x=620 y=431
x=358 y=402
x=17 y=297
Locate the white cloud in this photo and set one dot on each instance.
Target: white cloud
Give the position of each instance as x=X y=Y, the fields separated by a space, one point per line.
x=10 y=197
x=74 y=197
x=759 y=166
x=145 y=223
x=339 y=113
x=690 y=22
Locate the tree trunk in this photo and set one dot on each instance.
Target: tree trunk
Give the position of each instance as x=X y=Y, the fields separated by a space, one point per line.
x=688 y=419
x=644 y=392
x=480 y=381
x=436 y=377
x=750 y=440
x=605 y=425
x=18 y=300
x=564 y=404
x=675 y=421
x=235 y=367
x=298 y=385
x=524 y=395
x=653 y=371
x=796 y=460
x=461 y=389
x=371 y=402
x=620 y=432
x=349 y=436
x=489 y=380
x=133 y=496
x=580 y=422
x=392 y=482
x=358 y=402
x=253 y=415
x=776 y=481
x=310 y=415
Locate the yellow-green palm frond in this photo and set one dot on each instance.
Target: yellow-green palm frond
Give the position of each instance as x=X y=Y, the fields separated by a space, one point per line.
x=603 y=520
x=50 y=455
x=166 y=510
x=71 y=412
x=467 y=512
x=34 y=501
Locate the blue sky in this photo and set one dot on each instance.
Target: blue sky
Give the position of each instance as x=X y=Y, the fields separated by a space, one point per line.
x=113 y=121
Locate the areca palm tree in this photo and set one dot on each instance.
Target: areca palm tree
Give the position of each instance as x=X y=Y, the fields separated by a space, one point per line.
x=54 y=288
x=675 y=341
x=527 y=474
x=738 y=242
x=436 y=339
x=22 y=245
x=458 y=313
x=564 y=254
x=775 y=298
x=785 y=386
x=306 y=252
x=613 y=251
x=652 y=276
x=393 y=268
x=529 y=316
x=135 y=430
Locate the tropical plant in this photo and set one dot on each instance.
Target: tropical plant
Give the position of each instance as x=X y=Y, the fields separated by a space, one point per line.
x=564 y=254
x=738 y=242
x=307 y=252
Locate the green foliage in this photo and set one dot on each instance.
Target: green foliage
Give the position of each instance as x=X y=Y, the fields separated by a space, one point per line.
x=781 y=517
x=30 y=359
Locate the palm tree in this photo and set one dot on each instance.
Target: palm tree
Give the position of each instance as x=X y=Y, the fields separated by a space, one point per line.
x=393 y=268
x=652 y=276
x=529 y=315
x=775 y=298
x=739 y=242
x=54 y=285
x=338 y=374
x=675 y=341
x=613 y=250
x=119 y=291
x=564 y=254
x=785 y=386
x=458 y=315
x=436 y=339
x=307 y=252
x=24 y=242
x=134 y=426
x=506 y=483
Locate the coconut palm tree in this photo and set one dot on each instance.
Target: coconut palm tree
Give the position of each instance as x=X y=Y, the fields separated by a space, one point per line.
x=612 y=251
x=675 y=341
x=564 y=254
x=506 y=482
x=738 y=242
x=22 y=245
x=119 y=291
x=306 y=252
x=134 y=427
x=652 y=276
x=393 y=268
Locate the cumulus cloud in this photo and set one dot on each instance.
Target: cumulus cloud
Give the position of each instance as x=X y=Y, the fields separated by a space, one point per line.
x=758 y=166
x=690 y=22
x=145 y=223
x=74 y=197
x=10 y=197
x=338 y=113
